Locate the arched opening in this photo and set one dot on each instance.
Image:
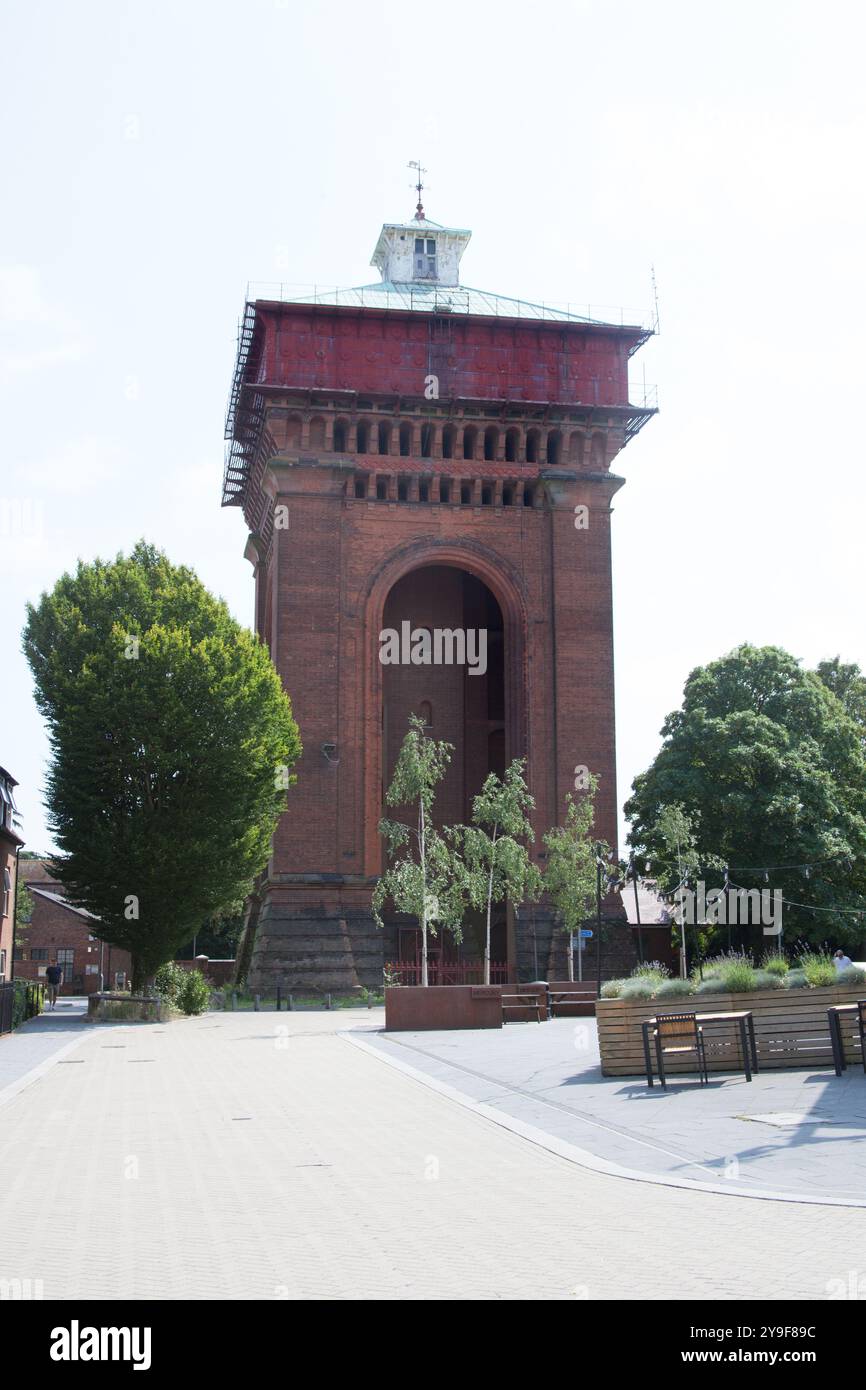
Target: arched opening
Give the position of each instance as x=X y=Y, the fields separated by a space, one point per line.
x=426 y=441
x=448 y=442
x=532 y=438
x=293 y=432
x=575 y=447
x=554 y=447
x=458 y=670
x=362 y=441
x=405 y=440
x=598 y=450
x=469 y=436
x=512 y=442
x=317 y=432
x=384 y=437
x=491 y=443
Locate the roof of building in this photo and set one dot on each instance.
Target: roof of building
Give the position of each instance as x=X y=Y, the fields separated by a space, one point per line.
x=653 y=911
x=63 y=902
x=429 y=298
x=35 y=871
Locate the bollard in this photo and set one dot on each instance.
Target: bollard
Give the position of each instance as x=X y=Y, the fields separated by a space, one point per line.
x=234 y=1000
x=279 y=999
x=291 y=1003
x=256 y=1000
x=327 y=1001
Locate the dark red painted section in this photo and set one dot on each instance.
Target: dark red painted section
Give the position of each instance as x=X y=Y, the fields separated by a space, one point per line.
x=477 y=359
x=442 y=1006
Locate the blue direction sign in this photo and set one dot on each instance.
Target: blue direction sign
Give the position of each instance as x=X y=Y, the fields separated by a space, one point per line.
x=585 y=933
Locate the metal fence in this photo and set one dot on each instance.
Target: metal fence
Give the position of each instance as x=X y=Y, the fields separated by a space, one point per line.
x=29 y=1003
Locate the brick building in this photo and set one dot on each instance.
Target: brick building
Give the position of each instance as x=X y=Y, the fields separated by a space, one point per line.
x=60 y=934
x=418 y=451
x=10 y=844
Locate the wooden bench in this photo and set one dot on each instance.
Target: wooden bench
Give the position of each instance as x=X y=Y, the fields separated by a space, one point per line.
x=520 y=1004
x=572 y=998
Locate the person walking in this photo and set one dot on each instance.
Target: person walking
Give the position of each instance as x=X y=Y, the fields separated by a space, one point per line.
x=841 y=961
x=54 y=976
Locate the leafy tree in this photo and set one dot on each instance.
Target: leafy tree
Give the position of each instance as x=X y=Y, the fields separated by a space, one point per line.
x=495 y=859
x=572 y=853
x=768 y=764
x=171 y=739
x=426 y=880
x=23 y=905
x=683 y=863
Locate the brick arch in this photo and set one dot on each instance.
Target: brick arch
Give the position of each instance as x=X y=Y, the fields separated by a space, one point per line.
x=505 y=585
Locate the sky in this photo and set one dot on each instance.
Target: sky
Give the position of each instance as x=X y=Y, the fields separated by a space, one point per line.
x=157 y=157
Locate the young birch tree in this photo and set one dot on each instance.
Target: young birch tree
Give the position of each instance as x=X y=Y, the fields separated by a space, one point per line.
x=570 y=877
x=426 y=880
x=495 y=860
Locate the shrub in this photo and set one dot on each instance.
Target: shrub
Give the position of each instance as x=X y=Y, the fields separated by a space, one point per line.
x=734 y=970
x=796 y=979
x=612 y=989
x=651 y=968
x=775 y=963
x=769 y=979
x=169 y=980
x=669 y=989
x=818 y=968
x=711 y=984
x=851 y=975
x=194 y=994
x=641 y=987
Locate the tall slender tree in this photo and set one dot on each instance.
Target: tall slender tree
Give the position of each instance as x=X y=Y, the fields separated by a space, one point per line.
x=495 y=857
x=424 y=878
x=572 y=852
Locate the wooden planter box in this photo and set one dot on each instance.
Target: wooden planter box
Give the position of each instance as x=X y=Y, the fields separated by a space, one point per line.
x=411 y=1007
x=791 y=1029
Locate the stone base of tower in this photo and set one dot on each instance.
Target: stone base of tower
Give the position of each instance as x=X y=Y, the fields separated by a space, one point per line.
x=315 y=943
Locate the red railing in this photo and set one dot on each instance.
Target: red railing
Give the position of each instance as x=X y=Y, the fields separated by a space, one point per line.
x=455 y=972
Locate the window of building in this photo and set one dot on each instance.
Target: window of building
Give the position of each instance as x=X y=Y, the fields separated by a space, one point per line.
x=19 y=953
x=466 y=493
x=424 y=490
x=403 y=490
x=361 y=486
x=2 y=965
x=382 y=489
x=487 y=495
x=66 y=960
x=363 y=436
x=448 y=442
x=511 y=439
x=444 y=490
x=39 y=953
x=384 y=437
x=508 y=495
x=340 y=435
x=426 y=713
x=7 y=891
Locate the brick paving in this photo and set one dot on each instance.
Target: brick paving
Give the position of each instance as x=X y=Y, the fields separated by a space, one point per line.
x=266 y=1157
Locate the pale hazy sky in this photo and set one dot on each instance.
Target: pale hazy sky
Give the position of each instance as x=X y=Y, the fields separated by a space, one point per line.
x=158 y=156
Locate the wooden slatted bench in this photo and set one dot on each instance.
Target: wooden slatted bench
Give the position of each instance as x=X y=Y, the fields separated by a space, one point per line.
x=572 y=998
x=522 y=1003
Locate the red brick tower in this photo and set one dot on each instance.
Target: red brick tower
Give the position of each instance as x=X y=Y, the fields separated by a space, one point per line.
x=417 y=451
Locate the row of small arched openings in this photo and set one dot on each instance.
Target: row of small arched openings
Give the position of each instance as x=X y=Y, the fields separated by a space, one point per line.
x=518 y=444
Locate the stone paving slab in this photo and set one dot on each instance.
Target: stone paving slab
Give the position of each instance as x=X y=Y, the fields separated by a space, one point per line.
x=266 y=1157
x=548 y=1075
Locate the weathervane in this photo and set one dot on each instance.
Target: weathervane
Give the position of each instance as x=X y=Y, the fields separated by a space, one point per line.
x=419 y=186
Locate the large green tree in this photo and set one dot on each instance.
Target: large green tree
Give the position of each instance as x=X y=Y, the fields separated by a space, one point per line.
x=767 y=761
x=172 y=742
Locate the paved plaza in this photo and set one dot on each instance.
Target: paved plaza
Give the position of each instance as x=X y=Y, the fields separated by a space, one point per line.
x=265 y=1156
x=798 y=1134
